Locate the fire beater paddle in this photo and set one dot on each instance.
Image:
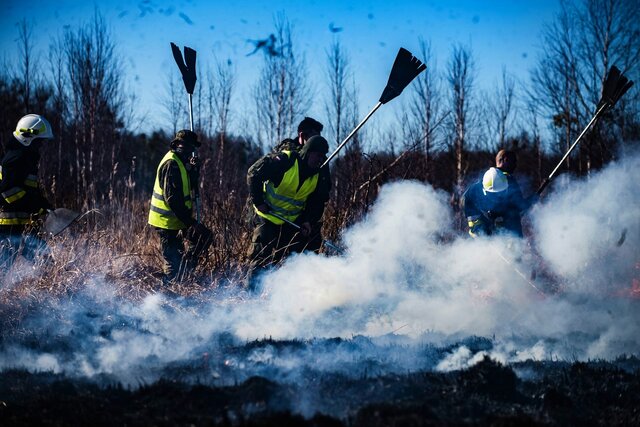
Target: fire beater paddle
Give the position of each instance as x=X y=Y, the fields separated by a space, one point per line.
x=187 y=66
x=615 y=85
x=405 y=68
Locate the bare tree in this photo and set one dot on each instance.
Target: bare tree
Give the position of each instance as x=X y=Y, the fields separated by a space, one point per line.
x=96 y=97
x=282 y=94
x=424 y=106
x=222 y=88
x=460 y=77
x=173 y=101
x=555 y=79
x=338 y=74
x=608 y=32
x=198 y=102
x=352 y=118
x=586 y=38
x=27 y=69
x=533 y=115
x=501 y=109
x=60 y=98
x=608 y=35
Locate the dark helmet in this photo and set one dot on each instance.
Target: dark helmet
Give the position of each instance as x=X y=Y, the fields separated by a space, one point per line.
x=314 y=144
x=185 y=136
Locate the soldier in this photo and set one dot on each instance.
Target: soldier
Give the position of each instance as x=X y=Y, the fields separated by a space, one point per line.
x=287 y=185
x=171 y=211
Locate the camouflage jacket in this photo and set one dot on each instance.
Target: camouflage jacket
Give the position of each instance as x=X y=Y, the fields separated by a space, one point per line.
x=272 y=167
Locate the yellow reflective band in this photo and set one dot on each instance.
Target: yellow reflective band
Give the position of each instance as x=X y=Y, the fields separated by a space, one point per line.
x=31 y=183
x=13 y=194
x=162 y=211
x=15 y=221
x=15 y=218
x=289 y=198
x=28 y=132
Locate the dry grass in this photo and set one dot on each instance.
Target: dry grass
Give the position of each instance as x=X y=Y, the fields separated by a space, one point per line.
x=115 y=245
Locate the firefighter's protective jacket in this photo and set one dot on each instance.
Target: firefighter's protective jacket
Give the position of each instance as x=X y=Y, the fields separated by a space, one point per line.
x=20 y=195
x=488 y=213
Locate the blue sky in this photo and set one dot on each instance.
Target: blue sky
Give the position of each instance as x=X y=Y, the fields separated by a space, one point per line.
x=500 y=33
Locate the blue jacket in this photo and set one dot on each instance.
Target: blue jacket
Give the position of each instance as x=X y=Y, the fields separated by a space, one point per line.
x=488 y=213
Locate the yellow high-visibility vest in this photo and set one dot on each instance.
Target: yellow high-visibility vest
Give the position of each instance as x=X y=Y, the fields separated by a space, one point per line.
x=160 y=214
x=286 y=199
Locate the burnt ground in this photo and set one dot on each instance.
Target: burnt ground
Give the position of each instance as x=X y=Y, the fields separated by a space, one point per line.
x=553 y=393
x=225 y=381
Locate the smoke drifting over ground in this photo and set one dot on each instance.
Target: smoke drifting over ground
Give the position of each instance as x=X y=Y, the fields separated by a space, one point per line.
x=405 y=297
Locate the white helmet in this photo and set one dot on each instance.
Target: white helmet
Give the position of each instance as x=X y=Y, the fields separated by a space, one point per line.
x=494 y=181
x=30 y=127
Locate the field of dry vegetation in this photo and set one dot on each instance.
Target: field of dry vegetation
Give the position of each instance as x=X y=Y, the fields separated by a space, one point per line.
x=446 y=134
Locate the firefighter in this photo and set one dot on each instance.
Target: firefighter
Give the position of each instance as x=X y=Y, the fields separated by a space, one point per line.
x=21 y=201
x=182 y=239
x=288 y=185
x=496 y=204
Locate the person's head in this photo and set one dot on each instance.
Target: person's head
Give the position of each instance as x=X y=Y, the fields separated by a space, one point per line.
x=506 y=161
x=494 y=181
x=185 y=141
x=32 y=129
x=314 y=151
x=307 y=128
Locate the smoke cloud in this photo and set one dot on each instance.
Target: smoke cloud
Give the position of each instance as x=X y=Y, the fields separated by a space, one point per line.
x=409 y=294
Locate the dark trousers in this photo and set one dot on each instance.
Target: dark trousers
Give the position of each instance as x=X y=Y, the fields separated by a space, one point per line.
x=271 y=243
x=181 y=254
x=20 y=240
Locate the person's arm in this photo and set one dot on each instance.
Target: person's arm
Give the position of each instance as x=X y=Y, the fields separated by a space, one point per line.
x=468 y=202
x=171 y=182
x=477 y=220
x=314 y=208
x=14 y=173
x=268 y=168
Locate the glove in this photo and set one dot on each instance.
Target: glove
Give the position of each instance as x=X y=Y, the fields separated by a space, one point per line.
x=305 y=229
x=196 y=232
x=477 y=226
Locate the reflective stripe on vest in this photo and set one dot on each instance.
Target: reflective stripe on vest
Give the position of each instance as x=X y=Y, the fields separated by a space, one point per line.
x=15 y=218
x=286 y=199
x=160 y=214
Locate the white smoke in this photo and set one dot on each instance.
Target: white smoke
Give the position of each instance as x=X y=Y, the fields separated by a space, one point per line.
x=589 y=232
x=404 y=286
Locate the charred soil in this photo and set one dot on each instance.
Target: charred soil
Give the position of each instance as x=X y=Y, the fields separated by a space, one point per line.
x=528 y=393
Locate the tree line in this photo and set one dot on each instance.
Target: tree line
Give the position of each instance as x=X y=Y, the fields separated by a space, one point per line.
x=448 y=128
